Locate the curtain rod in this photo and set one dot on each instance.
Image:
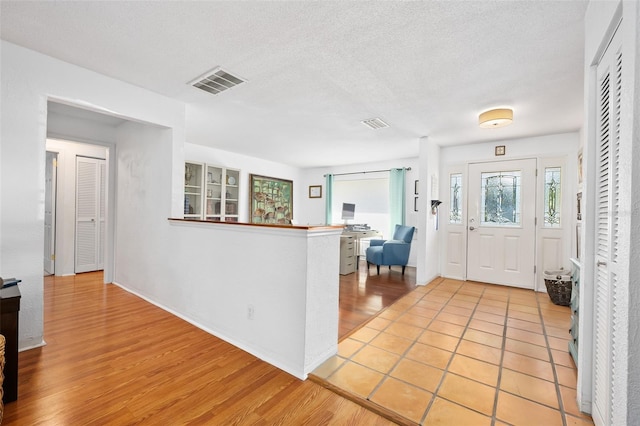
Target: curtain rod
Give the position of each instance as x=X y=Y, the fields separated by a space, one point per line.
x=366 y=171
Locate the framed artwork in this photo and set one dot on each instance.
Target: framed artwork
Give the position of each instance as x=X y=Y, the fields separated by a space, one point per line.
x=270 y=199
x=415 y=187
x=500 y=150
x=315 y=191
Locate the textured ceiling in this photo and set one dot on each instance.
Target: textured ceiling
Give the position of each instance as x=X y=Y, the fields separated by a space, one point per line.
x=316 y=69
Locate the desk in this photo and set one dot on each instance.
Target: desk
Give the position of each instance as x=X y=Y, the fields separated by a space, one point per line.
x=9 y=307
x=360 y=235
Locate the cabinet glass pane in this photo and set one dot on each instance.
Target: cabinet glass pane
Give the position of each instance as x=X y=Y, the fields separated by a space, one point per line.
x=211 y=192
x=552 y=196
x=192 y=189
x=214 y=186
x=455 y=213
x=501 y=198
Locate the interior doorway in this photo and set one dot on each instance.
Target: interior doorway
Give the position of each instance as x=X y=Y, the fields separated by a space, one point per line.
x=501 y=226
x=73 y=197
x=50 y=197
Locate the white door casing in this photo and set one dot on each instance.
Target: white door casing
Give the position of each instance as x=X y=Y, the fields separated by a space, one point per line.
x=50 y=212
x=501 y=248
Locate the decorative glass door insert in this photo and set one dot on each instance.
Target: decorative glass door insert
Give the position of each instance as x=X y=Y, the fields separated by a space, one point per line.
x=552 y=181
x=500 y=203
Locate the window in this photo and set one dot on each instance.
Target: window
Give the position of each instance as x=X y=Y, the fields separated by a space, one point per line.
x=371 y=197
x=552 y=197
x=501 y=198
x=455 y=210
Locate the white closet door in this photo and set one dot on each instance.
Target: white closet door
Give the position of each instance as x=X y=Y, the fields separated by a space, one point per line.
x=89 y=213
x=607 y=198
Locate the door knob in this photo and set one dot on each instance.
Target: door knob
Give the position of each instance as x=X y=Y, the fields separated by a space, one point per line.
x=471 y=228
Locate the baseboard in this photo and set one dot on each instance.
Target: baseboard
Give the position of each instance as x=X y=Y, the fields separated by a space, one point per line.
x=25 y=347
x=296 y=372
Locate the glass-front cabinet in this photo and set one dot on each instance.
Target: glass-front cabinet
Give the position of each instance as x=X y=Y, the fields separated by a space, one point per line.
x=193 y=190
x=218 y=187
x=222 y=186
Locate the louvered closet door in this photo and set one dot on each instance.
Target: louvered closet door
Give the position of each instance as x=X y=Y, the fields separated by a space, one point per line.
x=90 y=194
x=607 y=204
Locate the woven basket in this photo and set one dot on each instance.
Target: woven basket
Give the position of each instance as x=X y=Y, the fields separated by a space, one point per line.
x=559 y=291
x=1 y=375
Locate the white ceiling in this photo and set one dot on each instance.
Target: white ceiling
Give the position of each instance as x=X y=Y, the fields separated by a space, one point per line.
x=316 y=69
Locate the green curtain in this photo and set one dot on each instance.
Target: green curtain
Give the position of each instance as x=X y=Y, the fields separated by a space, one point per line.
x=397 y=197
x=328 y=190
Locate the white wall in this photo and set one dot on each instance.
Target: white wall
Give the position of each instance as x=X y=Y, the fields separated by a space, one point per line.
x=541 y=146
x=551 y=150
x=26 y=90
x=65 y=127
x=211 y=273
x=65 y=198
x=170 y=266
x=429 y=250
x=632 y=35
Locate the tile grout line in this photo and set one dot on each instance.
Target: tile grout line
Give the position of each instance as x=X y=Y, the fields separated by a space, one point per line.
x=555 y=381
x=455 y=351
x=505 y=326
x=403 y=355
x=449 y=298
x=553 y=366
x=368 y=343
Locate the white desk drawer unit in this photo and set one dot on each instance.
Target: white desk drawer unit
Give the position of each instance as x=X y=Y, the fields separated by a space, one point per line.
x=347 y=254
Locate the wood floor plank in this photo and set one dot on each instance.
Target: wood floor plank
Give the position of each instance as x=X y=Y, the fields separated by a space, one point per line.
x=113 y=358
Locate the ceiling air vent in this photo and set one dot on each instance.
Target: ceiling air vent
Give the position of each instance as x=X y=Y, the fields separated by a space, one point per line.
x=375 y=123
x=216 y=81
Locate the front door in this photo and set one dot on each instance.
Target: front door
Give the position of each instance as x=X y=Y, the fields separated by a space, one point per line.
x=501 y=223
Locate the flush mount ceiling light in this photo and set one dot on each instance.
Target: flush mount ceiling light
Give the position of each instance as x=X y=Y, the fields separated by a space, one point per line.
x=496 y=118
x=375 y=123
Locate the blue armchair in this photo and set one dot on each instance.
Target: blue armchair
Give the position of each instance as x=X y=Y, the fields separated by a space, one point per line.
x=391 y=252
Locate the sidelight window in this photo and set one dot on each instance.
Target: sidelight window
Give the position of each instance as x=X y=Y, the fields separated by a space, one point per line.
x=552 y=197
x=455 y=212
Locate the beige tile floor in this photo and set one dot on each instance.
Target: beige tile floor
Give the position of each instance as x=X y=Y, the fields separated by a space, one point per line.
x=462 y=353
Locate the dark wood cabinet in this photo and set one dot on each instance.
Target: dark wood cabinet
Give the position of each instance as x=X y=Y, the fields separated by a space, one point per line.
x=9 y=308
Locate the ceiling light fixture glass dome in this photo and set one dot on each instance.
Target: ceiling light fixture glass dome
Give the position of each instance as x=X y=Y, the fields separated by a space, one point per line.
x=496 y=118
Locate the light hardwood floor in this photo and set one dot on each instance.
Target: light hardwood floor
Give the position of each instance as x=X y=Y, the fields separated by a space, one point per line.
x=364 y=294
x=112 y=358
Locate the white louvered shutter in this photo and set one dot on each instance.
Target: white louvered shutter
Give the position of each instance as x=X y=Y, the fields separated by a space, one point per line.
x=609 y=75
